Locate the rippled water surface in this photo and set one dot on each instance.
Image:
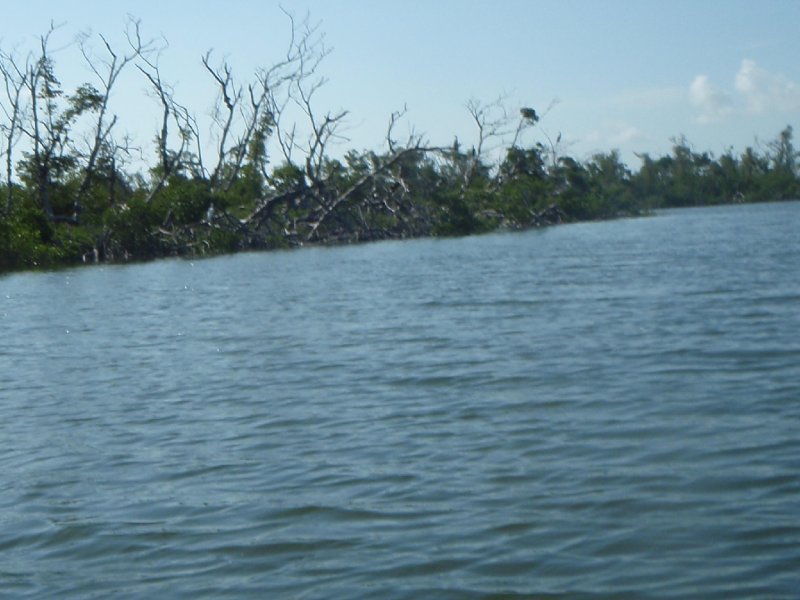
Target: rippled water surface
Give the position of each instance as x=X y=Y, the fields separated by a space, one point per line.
x=595 y=410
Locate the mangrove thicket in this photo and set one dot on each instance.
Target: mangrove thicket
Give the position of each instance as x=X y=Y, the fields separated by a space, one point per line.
x=269 y=172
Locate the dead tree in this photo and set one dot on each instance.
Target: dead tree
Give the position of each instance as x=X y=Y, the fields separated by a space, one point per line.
x=283 y=89
x=231 y=96
x=326 y=195
x=50 y=127
x=305 y=144
x=242 y=119
x=171 y=161
x=51 y=124
x=15 y=81
x=107 y=70
x=46 y=129
x=317 y=190
x=494 y=125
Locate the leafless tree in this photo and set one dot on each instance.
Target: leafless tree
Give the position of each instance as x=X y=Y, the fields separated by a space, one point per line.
x=15 y=81
x=384 y=170
x=107 y=69
x=45 y=126
x=242 y=119
x=493 y=123
x=173 y=113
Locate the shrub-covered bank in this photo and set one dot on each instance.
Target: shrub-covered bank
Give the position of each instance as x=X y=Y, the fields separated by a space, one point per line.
x=267 y=176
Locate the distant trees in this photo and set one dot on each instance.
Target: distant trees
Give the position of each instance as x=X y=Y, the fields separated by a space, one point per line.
x=689 y=178
x=264 y=174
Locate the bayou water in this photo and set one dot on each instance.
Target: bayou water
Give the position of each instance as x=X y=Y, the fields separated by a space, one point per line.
x=594 y=410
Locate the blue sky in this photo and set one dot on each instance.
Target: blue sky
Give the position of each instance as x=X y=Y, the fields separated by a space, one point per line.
x=629 y=75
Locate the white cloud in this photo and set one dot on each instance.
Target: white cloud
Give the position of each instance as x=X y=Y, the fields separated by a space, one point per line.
x=714 y=104
x=765 y=91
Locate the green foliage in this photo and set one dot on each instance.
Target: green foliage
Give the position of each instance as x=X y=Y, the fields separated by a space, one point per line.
x=184 y=201
x=220 y=241
x=459 y=195
x=523 y=162
x=689 y=178
x=28 y=239
x=520 y=198
x=66 y=198
x=132 y=227
x=64 y=207
x=85 y=99
x=458 y=215
x=286 y=178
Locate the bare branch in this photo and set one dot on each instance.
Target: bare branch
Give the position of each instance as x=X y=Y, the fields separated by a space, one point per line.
x=15 y=80
x=170 y=161
x=107 y=71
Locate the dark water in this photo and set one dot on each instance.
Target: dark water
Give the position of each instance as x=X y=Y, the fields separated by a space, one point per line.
x=597 y=410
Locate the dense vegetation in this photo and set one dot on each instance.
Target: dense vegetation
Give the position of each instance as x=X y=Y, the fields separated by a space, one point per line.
x=69 y=193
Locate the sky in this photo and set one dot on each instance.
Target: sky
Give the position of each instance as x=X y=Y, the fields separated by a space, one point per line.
x=630 y=75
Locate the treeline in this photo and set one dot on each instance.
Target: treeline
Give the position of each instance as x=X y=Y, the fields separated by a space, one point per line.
x=266 y=177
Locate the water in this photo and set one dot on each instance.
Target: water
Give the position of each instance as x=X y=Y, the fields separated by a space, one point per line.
x=596 y=410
